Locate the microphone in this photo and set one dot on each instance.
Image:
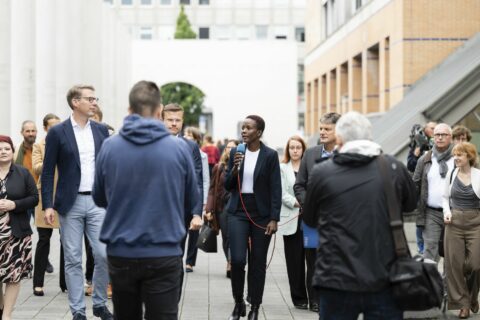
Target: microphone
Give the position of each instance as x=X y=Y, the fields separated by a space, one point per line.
x=241 y=149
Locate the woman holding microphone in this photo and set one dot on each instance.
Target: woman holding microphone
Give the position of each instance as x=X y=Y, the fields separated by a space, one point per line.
x=253 y=179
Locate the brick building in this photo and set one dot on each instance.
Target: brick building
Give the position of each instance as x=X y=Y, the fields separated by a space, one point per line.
x=365 y=55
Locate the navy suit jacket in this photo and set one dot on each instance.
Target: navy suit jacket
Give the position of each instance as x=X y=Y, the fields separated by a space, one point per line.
x=197 y=161
x=267 y=183
x=61 y=151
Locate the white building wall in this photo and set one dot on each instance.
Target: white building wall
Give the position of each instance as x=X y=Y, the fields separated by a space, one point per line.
x=5 y=65
x=261 y=80
x=51 y=45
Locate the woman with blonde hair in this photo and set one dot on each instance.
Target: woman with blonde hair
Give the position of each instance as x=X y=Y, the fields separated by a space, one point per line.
x=290 y=224
x=461 y=213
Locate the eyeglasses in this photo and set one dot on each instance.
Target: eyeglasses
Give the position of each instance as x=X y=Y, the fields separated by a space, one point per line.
x=90 y=99
x=441 y=135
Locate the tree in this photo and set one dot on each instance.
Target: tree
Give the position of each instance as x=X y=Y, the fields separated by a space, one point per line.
x=184 y=28
x=186 y=95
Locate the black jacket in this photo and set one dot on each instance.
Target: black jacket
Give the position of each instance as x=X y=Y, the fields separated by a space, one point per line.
x=311 y=157
x=345 y=195
x=22 y=190
x=267 y=185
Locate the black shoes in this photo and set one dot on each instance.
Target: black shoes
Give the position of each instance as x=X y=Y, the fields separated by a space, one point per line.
x=38 y=292
x=253 y=314
x=102 y=313
x=302 y=306
x=49 y=268
x=79 y=316
x=240 y=310
x=314 y=307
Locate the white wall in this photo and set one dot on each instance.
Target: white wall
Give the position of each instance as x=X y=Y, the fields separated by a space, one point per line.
x=50 y=45
x=238 y=78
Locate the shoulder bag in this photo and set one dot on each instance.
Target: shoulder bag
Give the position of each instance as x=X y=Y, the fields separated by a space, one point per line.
x=416 y=284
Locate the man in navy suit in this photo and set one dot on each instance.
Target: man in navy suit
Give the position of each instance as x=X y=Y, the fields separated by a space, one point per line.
x=71 y=147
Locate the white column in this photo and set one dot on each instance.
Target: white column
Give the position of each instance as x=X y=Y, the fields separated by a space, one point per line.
x=45 y=58
x=22 y=69
x=5 y=83
x=65 y=43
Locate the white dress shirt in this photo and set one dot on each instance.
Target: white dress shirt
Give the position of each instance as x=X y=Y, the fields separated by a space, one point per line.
x=250 y=161
x=86 y=150
x=436 y=183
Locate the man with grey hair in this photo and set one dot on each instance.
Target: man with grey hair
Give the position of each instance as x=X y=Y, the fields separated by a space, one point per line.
x=346 y=201
x=311 y=157
x=429 y=178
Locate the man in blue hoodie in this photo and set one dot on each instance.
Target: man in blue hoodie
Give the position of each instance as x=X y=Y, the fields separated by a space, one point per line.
x=145 y=178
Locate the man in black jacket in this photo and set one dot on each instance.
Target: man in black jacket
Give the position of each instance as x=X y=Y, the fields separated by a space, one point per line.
x=346 y=201
x=311 y=157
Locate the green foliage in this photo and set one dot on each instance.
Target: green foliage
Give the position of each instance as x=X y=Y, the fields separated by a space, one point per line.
x=186 y=95
x=184 y=28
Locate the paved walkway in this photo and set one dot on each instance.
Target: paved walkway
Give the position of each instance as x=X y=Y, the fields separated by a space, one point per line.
x=207 y=292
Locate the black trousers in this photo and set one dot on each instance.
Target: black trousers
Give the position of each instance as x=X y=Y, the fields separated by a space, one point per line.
x=240 y=229
x=153 y=282
x=311 y=256
x=295 y=259
x=192 y=247
x=41 y=259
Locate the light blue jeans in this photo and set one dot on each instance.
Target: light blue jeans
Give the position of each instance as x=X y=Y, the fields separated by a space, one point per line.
x=86 y=217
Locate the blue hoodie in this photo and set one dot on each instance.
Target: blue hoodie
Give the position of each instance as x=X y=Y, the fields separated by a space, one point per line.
x=145 y=179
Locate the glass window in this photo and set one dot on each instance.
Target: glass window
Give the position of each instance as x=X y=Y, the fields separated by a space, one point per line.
x=281 y=32
x=300 y=34
x=187 y=2
x=165 y=2
x=146 y=2
x=243 y=33
x=203 y=33
x=261 y=32
x=358 y=4
x=203 y=2
x=108 y=1
x=223 y=32
x=146 y=33
x=127 y=2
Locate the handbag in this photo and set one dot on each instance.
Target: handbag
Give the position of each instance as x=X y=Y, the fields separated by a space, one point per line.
x=416 y=283
x=207 y=239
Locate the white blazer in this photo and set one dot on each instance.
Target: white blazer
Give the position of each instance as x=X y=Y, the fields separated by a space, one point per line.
x=288 y=210
x=474 y=177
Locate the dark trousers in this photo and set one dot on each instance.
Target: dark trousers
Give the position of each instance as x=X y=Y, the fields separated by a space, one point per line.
x=41 y=258
x=311 y=256
x=192 y=247
x=344 y=305
x=239 y=230
x=63 y=283
x=153 y=282
x=90 y=264
x=223 y=221
x=295 y=259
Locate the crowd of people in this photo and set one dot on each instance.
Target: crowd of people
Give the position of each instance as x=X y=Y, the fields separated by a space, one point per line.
x=137 y=199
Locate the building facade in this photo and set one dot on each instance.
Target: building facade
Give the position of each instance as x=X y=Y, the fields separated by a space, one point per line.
x=365 y=55
x=221 y=20
x=47 y=47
